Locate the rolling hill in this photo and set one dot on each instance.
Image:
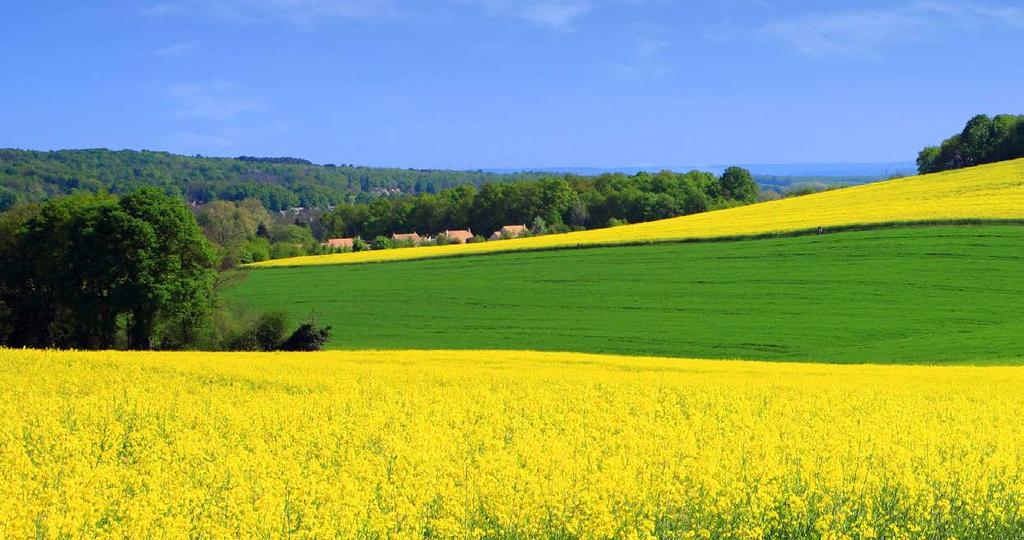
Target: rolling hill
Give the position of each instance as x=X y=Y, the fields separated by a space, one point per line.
x=279 y=183
x=987 y=192
x=901 y=295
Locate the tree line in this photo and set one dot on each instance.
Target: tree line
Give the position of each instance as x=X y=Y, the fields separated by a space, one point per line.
x=140 y=270
x=555 y=204
x=983 y=140
x=244 y=232
x=278 y=183
x=98 y=271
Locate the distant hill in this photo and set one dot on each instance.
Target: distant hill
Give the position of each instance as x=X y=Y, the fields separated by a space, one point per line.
x=987 y=192
x=845 y=173
x=286 y=182
x=280 y=183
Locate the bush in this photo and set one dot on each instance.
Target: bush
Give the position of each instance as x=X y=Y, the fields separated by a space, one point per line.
x=616 y=222
x=254 y=250
x=307 y=337
x=262 y=334
x=285 y=250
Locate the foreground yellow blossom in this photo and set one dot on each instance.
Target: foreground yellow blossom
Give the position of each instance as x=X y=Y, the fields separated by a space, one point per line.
x=993 y=191
x=503 y=444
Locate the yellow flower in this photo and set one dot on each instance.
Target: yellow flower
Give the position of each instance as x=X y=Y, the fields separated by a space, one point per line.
x=994 y=191
x=508 y=444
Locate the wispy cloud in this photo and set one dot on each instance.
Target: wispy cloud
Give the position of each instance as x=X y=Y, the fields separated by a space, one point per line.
x=217 y=140
x=643 y=57
x=559 y=15
x=180 y=48
x=214 y=116
x=866 y=33
x=215 y=100
x=255 y=11
x=553 y=14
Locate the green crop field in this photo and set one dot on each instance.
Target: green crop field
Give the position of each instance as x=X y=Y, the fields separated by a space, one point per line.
x=910 y=295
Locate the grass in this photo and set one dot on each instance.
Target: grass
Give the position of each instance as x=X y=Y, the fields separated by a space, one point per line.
x=994 y=191
x=913 y=295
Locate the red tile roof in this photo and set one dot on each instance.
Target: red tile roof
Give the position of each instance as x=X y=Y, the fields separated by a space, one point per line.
x=339 y=242
x=406 y=237
x=460 y=236
x=509 y=231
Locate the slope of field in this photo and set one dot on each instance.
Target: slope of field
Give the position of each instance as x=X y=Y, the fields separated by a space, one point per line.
x=993 y=191
x=493 y=444
x=931 y=295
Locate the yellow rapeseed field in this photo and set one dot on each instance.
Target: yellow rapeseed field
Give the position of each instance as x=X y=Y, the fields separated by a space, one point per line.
x=986 y=192
x=503 y=444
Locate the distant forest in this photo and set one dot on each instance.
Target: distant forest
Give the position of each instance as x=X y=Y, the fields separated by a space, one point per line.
x=278 y=183
x=557 y=204
x=983 y=140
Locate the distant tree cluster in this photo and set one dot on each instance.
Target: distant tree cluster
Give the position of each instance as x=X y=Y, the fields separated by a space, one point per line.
x=244 y=232
x=983 y=140
x=95 y=272
x=101 y=272
x=280 y=160
x=550 y=205
x=278 y=183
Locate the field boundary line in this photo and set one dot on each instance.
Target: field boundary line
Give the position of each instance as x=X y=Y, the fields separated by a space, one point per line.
x=792 y=233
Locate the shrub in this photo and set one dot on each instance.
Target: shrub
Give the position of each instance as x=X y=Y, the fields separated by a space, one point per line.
x=616 y=222
x=284 y=250
x=254 y=250
x=307 y=337
x=264 y=333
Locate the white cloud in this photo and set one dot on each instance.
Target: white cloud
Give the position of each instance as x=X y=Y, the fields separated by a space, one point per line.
x=216 y=100
x=643 y=58
x=180 y=48
x=255 y=11
x=555 y=14
x=867 y=33
x=558 y=14
x=194 y=141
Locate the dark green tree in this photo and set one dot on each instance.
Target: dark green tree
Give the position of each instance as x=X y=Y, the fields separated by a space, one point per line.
x=8 y=198
x=83 y=264
x=738 y=184
x=176 y=269
x=983 y=140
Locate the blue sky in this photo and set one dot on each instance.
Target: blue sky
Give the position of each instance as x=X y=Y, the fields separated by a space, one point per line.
x=503 y=83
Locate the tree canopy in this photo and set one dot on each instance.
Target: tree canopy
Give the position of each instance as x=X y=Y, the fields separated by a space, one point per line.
x=559 y=203
x=87 y=270
x=983 y=140
x=278 y=183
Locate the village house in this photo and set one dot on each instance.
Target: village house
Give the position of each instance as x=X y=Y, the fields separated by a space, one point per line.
x=509 y=231
x=335 y=243
x=411 y=238
x=459 y=236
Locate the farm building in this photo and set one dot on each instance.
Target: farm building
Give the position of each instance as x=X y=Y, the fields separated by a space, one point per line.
x=459 y=236
x=345 y=243
x=412 y=238
x=509 y=231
